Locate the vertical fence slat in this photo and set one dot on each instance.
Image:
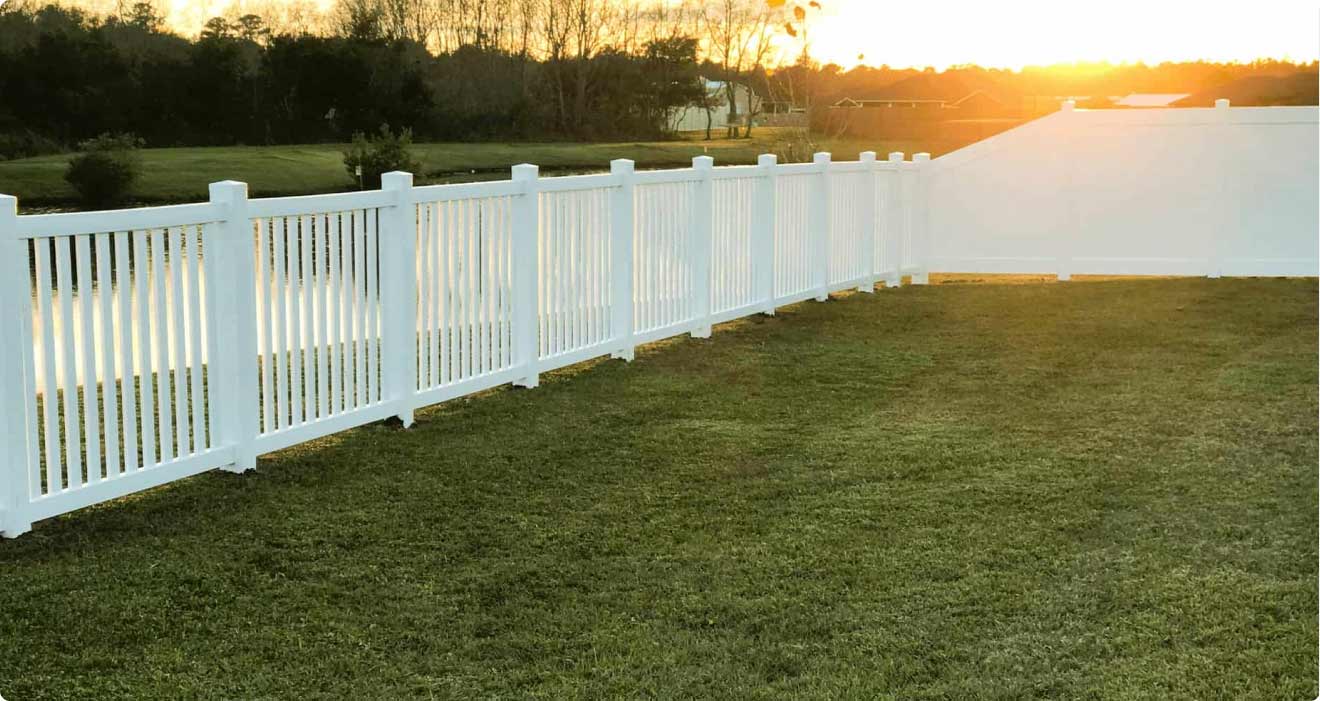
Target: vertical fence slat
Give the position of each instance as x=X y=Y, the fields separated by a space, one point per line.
x=145 y=349
x=360 y=309
x=332 y=306
x=279 y=310
x=350 y=274
x=124 y=347
x=86 y=346
x=473 y=263
x=73 y=460
x=371 y=284
x=428 y=287
x=160 y=347
x=306 y=352
x=194 y=360
x=265 y=324
x=177 y=346
x=442 y=340
x=293 y=318
x=487 y=293
x=105 y=366
x=208 y=236
x=49 y=385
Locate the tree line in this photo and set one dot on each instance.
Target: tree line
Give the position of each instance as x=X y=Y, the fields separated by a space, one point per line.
x=581 y=70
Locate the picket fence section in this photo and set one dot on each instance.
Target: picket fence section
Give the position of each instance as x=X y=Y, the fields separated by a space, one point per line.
x=143 y=346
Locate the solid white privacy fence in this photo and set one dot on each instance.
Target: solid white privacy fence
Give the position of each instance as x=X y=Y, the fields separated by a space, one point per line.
x=143 y=346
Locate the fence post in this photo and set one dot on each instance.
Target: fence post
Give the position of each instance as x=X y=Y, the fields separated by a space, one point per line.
x=526 y=229
x=1219 y=246
x=895 y=219
x=869 y=226
x=15 y=488
x=398 y=257
x=820 y=224
x=921 y=221
x=235 y=371
x=763 y=232
x=1069 y=231
x=621 y=260
x=702 y=225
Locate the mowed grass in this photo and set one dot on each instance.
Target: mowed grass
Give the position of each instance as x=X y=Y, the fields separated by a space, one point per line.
x=182 y=174
x=1085 y=490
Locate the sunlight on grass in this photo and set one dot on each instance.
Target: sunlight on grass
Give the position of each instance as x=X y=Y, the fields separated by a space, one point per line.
x=1098 y=489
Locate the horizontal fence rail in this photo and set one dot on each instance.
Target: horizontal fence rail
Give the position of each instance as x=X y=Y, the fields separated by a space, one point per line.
x=143 y=346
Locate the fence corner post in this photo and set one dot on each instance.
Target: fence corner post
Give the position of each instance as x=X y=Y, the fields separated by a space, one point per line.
x=236 y=320
x=621 y=260
x=14 y=293
x=820 y=224
x=398 y=255
x=763 y=231
x=526 y=317
x=869 y=225
x=894 y=222
x=921 y=219
x=1067 y=177
x=1219 y=246
x=703 y=216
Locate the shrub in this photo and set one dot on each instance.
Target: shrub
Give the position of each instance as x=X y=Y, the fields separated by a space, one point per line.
x=26 y=143
x=104 y=171
x=379 y=155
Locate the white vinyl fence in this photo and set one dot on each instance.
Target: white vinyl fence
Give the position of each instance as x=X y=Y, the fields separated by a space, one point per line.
x=1200 y=191
x=143 y=346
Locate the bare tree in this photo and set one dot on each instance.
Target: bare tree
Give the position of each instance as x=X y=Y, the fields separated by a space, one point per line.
x=740 y=37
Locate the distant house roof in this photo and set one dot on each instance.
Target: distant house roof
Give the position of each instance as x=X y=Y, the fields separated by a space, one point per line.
x=931 y=89
x=978 y=93
x=1151 y=99
x=852 y=102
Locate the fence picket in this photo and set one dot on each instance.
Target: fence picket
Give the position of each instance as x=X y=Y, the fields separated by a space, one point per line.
x=193 y=360
x=124 y=349
x=105 y=359
x=176 y=342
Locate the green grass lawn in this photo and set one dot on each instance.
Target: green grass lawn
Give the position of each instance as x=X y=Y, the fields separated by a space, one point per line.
x=1091 y=490
x=182 y=174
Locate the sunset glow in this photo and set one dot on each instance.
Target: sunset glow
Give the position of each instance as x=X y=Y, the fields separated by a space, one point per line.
x=1007 y=34
x=1015 y=33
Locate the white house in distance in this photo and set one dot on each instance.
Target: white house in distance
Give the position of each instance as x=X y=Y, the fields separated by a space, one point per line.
x=1150 y=99
x=693 y=117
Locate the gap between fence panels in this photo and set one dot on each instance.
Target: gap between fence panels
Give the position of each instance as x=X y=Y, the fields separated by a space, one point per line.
x=158 y=343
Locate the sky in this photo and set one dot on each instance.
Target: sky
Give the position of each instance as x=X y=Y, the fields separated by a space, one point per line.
x=1015 y=33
